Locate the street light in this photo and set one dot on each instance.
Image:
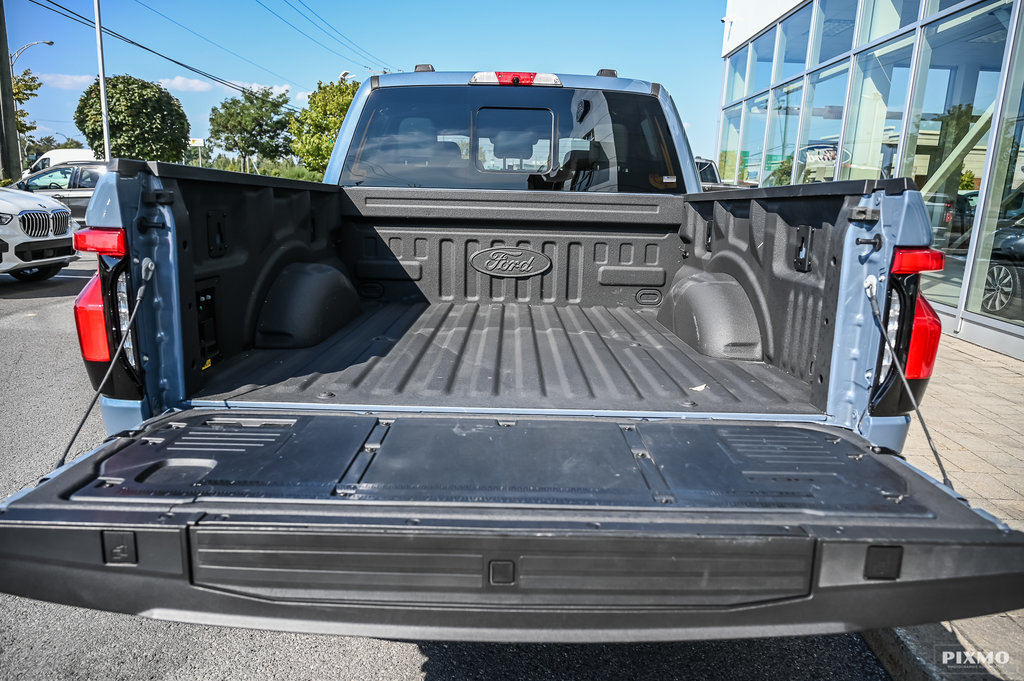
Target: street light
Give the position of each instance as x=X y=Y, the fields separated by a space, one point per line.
x=14 y=57
x=17 y=52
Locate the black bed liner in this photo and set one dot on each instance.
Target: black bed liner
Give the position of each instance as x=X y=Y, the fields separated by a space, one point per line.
x=508 y=356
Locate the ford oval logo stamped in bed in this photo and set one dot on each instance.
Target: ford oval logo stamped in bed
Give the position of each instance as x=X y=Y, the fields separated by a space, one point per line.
x=510 y=262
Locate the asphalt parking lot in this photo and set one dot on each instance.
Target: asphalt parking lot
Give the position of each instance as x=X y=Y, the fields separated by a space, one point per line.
x=45 y=391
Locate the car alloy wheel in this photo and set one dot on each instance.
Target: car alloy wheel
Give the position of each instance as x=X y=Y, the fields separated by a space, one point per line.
x=1000 y=285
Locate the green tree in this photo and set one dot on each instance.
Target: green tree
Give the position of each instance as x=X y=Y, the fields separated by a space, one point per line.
x=967 y=179
x=146 y=121
x=25 y=86
x=255 y=124
x=316 y=127
x=782 y=173
x=38 y=146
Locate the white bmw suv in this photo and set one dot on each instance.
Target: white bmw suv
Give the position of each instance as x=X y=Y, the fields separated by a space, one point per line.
x=35 y=235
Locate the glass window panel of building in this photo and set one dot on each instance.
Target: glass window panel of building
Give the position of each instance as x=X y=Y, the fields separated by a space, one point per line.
x=950 y=122
x=794 y=37
x=874 y=122
x=730 y=143
x=818 y=143
x=881 y=17
x=997 y=283
x=755 y=119
x=762 y=59
x=935 y=6
x=783 y=127
x=736 y=75
x=833 y=32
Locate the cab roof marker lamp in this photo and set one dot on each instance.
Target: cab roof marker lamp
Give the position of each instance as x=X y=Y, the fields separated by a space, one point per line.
x=515 y=78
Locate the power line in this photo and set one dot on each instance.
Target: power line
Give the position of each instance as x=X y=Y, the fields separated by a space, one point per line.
x=219 y=46
x=354 y=45
x=319 y=28
x=332 y=51
x=78 y=18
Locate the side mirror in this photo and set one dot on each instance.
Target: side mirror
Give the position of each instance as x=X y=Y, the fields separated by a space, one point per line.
x=23 y=186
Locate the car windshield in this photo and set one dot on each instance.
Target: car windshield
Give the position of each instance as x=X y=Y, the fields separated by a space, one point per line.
x=522 y=138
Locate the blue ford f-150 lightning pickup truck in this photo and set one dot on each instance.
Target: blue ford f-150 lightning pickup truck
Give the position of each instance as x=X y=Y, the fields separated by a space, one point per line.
x=506 y=375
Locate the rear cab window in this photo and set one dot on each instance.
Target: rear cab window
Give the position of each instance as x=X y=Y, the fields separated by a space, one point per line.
x=518 y=138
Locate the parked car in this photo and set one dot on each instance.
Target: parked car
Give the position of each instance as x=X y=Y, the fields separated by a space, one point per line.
x=962 y=222
x=507 y=375
x=35 y=235
x=939 y=207
x=70 y=183
x=57 y=156
x=1004 y=281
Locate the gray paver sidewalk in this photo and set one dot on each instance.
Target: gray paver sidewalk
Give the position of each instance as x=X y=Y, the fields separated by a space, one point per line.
x=974 y=408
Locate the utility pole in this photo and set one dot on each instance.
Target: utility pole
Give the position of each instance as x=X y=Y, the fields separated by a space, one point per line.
x=103 y=81
x=9 y=139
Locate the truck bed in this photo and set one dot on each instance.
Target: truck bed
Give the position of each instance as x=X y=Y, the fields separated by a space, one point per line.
x=510 y=356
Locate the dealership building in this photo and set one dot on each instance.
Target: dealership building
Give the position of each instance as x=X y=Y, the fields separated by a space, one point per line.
x=928 y=89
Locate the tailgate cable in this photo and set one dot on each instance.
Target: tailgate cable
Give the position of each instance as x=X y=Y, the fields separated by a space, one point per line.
x=147 y=272
x=871 y=287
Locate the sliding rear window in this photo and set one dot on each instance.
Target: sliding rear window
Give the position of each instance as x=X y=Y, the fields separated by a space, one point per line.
x=521 y=138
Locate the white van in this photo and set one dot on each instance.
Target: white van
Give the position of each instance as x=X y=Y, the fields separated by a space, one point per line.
x=56 y=156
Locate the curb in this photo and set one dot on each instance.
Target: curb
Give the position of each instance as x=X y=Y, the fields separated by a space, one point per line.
x=909 y=653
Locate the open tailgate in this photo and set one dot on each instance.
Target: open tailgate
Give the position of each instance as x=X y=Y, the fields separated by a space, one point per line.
x=505 y=529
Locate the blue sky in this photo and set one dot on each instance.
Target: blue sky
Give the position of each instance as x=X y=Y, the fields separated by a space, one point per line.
x=677 y=44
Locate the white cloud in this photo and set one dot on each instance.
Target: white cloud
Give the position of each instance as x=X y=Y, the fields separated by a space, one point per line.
x=183 y=84
x=686 y=125
x=275 y=89
x=302 y=96
x=66 y=81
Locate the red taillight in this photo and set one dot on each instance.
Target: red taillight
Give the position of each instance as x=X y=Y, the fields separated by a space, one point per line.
x=924 y=340
x=515 y=77
x=102 y=241
x=914 y=260
x=91 y=323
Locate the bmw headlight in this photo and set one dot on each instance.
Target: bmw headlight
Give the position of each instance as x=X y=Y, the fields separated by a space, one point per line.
x=5 y=218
